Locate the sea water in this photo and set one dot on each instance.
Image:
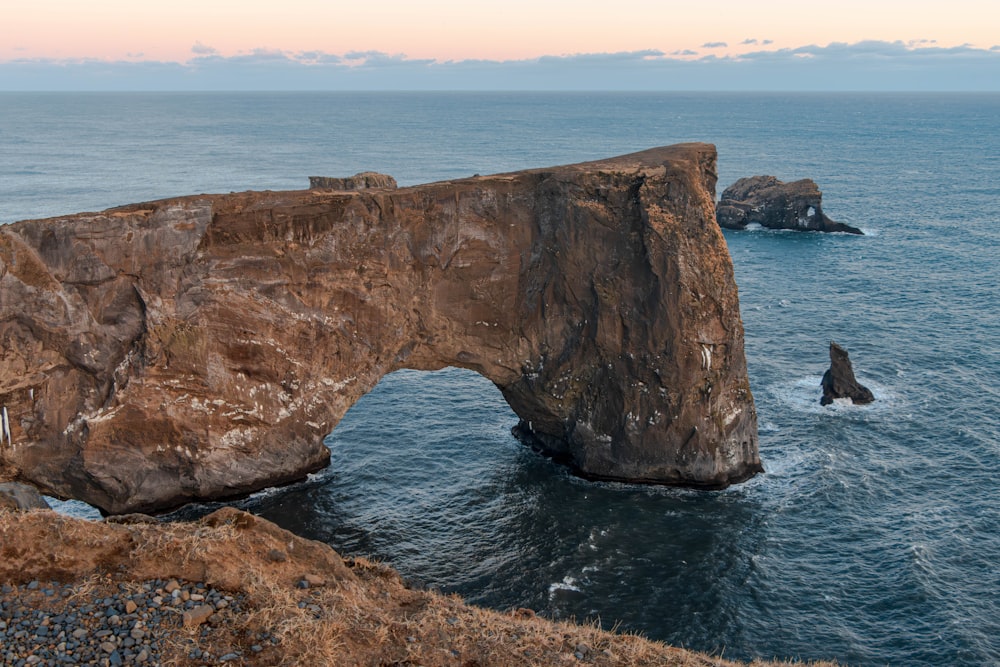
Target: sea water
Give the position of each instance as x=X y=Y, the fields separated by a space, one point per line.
x=874 y=535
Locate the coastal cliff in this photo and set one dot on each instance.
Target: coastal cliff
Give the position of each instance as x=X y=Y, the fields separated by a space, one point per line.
x=201 y=347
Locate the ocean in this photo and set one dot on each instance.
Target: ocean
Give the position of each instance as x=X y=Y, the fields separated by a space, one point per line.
x=874 y=535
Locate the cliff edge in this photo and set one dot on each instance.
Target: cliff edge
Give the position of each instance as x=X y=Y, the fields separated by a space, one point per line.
x=236 y=589
x=201 y=347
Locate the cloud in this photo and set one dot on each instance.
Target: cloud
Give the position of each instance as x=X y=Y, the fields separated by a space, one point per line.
x=749 y=40
x=380 y=59
x=867 y=65
x=317 y=57
x=714 y=45
x=200 y=49
x=767 y=41
x=617 y=57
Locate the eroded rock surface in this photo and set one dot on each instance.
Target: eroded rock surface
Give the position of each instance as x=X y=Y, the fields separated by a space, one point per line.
x=201 y=347
x=774 y=204
x=839 y=381
x=365 y=180
x=17 y=496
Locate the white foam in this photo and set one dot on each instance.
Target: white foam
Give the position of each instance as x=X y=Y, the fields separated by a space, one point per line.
x=803 y=394
x=567 y=584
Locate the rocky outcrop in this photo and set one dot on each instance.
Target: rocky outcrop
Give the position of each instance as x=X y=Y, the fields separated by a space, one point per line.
x=839 y=381
x=21 y=497
x=365 y=180
x=201 y=347
x=771 y=203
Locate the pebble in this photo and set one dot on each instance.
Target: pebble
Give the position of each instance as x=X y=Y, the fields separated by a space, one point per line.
x=47 y=623
x=198 y=615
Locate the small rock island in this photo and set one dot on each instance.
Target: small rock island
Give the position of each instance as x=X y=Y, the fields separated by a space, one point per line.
x=839 y=381
x=774 y=204
x=201 y=347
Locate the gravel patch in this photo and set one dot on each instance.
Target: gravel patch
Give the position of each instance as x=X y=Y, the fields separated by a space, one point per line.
x=107 y=623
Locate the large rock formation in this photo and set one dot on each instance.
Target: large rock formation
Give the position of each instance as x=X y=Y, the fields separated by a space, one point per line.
x=201 y=347
x=839 y=381
x=771 y=203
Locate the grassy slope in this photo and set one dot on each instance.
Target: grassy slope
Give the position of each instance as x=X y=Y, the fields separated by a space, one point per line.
x=366 y=615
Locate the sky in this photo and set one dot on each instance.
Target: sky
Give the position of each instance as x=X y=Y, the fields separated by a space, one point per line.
x=515 y=44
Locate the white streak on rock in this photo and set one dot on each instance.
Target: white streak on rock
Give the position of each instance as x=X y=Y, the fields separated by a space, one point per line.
x=706 y=357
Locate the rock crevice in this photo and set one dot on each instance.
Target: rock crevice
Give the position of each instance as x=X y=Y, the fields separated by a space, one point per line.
x=201 y=347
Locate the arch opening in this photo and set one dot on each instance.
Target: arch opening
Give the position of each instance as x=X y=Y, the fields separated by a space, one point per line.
x=424 y=458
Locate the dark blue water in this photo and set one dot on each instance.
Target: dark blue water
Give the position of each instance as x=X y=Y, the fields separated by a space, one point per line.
x=874 y=536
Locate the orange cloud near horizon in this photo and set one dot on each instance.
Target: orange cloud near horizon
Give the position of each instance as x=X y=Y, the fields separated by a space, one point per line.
x=453 y=30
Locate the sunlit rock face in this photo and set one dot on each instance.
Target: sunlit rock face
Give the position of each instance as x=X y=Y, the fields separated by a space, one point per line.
x=201 y=347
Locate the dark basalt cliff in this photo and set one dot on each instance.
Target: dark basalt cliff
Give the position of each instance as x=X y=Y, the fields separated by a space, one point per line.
x=774 y=204
x=201 y=347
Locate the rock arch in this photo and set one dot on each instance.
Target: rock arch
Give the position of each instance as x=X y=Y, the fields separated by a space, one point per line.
x=201 y=347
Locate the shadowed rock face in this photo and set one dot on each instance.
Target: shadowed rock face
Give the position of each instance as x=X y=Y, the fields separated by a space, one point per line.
x=201 y=347
x=774 y=204
x=15 y=496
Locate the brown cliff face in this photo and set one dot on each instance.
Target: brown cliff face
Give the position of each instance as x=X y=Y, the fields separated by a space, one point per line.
x=202 y=347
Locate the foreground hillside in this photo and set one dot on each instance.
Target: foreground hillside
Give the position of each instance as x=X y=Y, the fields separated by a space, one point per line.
x=236 y=589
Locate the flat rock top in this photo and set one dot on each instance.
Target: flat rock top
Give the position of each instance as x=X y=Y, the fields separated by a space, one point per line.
x=763 y=186
x=676 y=155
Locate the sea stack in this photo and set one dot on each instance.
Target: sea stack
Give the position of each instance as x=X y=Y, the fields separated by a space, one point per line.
x=774 y=204
x=839 y=380
x=202 y=347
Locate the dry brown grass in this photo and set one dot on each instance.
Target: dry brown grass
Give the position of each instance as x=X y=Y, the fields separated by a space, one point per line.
x=364 y=614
